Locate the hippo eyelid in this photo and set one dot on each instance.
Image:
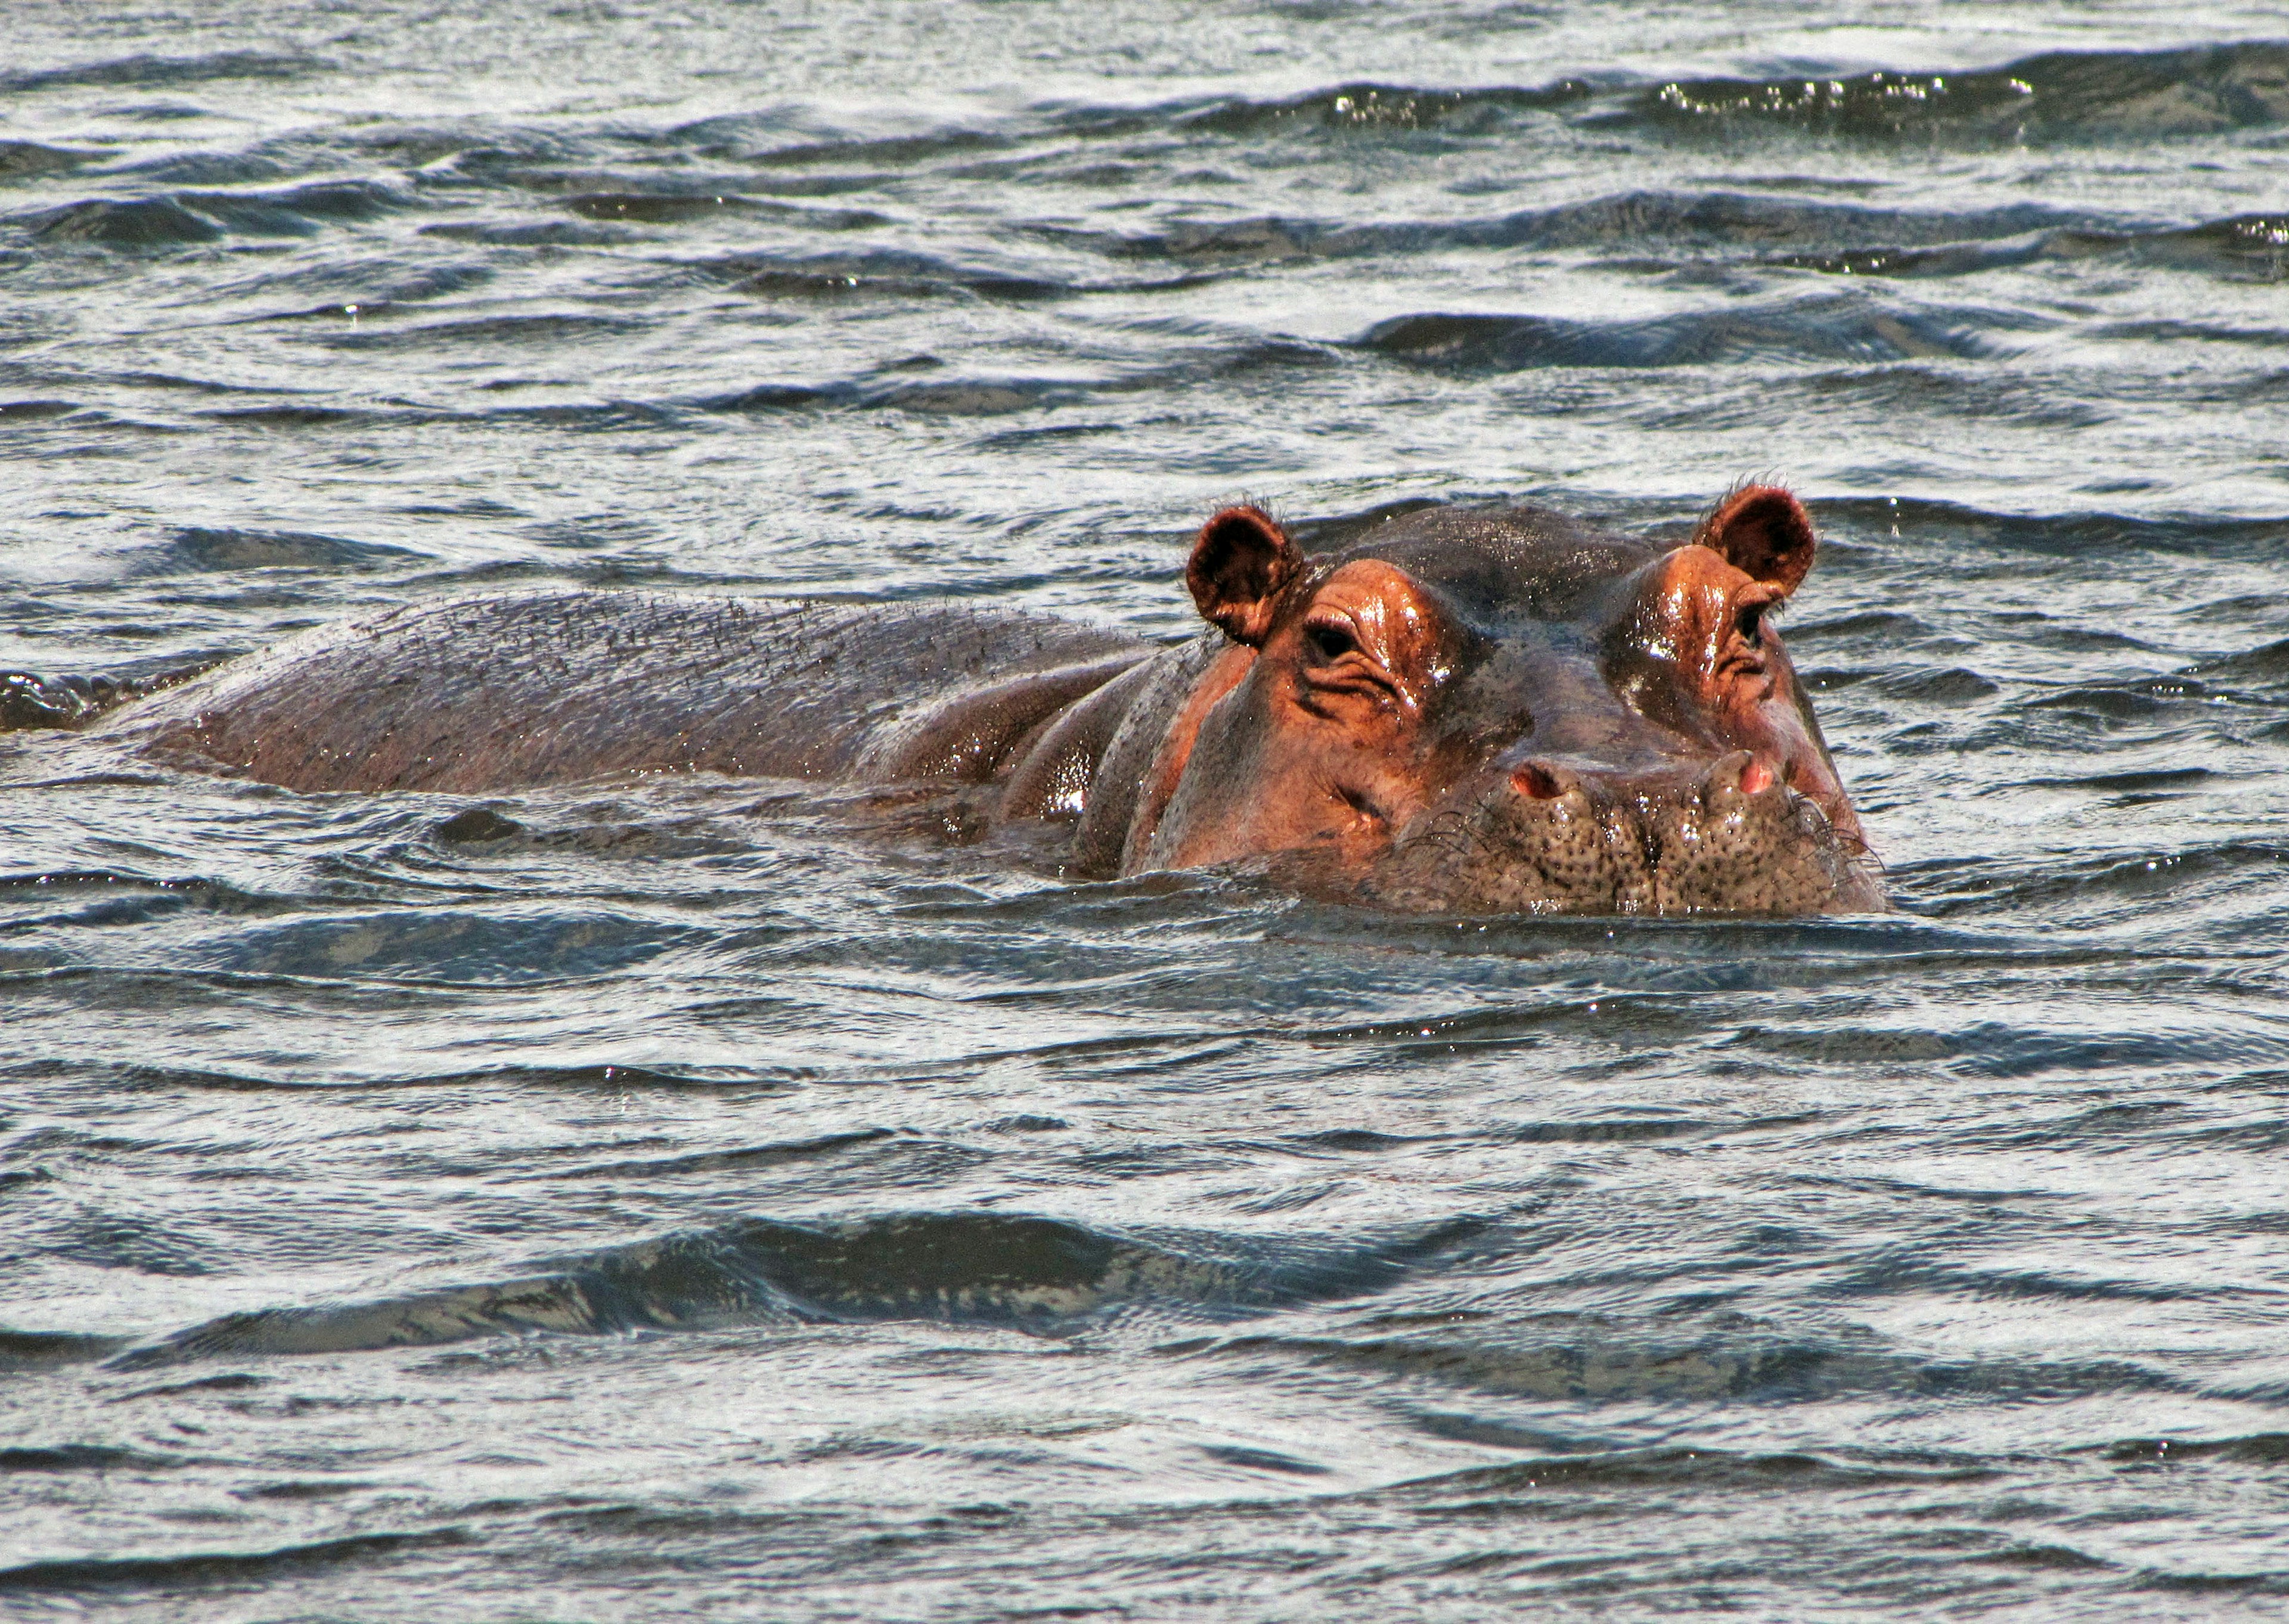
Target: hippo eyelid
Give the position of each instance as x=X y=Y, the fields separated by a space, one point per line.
x=1331 y=640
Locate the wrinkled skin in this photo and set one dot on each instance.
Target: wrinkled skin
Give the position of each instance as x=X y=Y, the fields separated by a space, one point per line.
x=1456 y=712
x=1498 y=712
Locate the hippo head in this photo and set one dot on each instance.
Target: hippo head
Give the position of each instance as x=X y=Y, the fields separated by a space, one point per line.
x=1506 y=711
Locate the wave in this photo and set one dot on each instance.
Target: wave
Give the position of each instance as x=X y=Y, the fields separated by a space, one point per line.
x=2242 y=247
x=202 y=550
x=1819 y=327
x=1636 y=222
x=22 y=160
x=2067 y=534
x=2069 y=95
x=1562 y=1359
x=173 y=1573
x=183 y=218
x=1367 y=106
x=983 y=1268
x=143 y=71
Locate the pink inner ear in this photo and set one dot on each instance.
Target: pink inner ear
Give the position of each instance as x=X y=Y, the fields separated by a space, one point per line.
x=1764 y=532
x=1242 y=563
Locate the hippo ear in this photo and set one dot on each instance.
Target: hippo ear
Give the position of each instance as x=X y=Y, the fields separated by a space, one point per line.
x=1239 y=566
x=1762 y=532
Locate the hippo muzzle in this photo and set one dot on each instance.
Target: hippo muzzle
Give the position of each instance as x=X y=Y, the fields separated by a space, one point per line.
x=1546 y=837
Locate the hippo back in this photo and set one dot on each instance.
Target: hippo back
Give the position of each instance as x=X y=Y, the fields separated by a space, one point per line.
x=475 y=694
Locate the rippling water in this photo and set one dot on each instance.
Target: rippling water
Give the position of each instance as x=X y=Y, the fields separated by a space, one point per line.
x=676 y=1201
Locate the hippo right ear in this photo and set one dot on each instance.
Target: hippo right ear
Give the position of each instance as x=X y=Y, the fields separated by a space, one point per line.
x=1764 y=532
x=1239 y=566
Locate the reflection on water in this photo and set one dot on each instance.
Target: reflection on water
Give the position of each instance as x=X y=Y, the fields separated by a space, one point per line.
x=647 y=1201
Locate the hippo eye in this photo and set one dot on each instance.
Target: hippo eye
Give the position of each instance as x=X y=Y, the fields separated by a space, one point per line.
x=1331 y=642
x=1750 y=622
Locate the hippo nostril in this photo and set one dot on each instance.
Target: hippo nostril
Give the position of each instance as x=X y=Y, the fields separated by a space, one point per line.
x=1756 y=777
x=1536 y=782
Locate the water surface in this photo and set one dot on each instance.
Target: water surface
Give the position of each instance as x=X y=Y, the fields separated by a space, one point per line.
x=660 y=1201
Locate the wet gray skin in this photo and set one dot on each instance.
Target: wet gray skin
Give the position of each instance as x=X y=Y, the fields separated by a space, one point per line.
x=1559 y=751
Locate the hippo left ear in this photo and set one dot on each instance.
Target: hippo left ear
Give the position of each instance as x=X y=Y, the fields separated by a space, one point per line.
x=1764 y=532
x=1239 y=566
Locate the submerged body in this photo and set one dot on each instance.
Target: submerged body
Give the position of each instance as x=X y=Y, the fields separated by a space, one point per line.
x=1457 y=711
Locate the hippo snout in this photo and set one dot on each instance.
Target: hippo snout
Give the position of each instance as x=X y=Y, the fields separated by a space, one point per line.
x=1552 y=836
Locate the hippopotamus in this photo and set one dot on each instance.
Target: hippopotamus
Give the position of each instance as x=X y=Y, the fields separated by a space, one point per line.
x=1454 y=711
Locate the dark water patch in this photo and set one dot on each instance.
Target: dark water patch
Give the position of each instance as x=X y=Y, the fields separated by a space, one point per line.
x=946 y=398
x=26 y=1351
x=551 y=328
x=478 y=825
x=682 y=207
x=458 y=947
x=1975 y=394
x=614 y=1080
x=1996 y=1050
x=2059 y=96
x=2129 y=782
x=1556 y=1358
x=82 y=1457
x=296 y=211
x=1374 y=108
x=362 y=290
x=2255 y=1449
x=1947 y=259
x=2107 y=878
x=1709 y=1470
x=1886 y=625
x=1254 y=1460
x=231 y=1382
x=2116 y=704
x=23 y=160
x=2172 y=329
x=662 y=208
x=879 y=153
x=973 y=398
x=533 y=234
x=778 y=397
x=149 y=223
x=1804 y=328
x=1997 y=1284
x=162 y=71
x=2244 y=247
x=1971 y=532
x=884 y=274
x=305 y=1490
x=2215 y=1584
x=718 y=1161
x=201 y=551
x=14 y=412
x=1947 y=685
x=321 y=418
x=1041 y=1274
x=598 y=417
x=2262 y=673
x=1632 y=222
x=101 y=1574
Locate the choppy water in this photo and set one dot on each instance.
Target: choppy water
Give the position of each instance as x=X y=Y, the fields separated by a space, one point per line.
x=668 y=1202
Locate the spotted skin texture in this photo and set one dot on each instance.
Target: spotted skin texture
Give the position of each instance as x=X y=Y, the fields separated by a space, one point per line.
x=1447 y=711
